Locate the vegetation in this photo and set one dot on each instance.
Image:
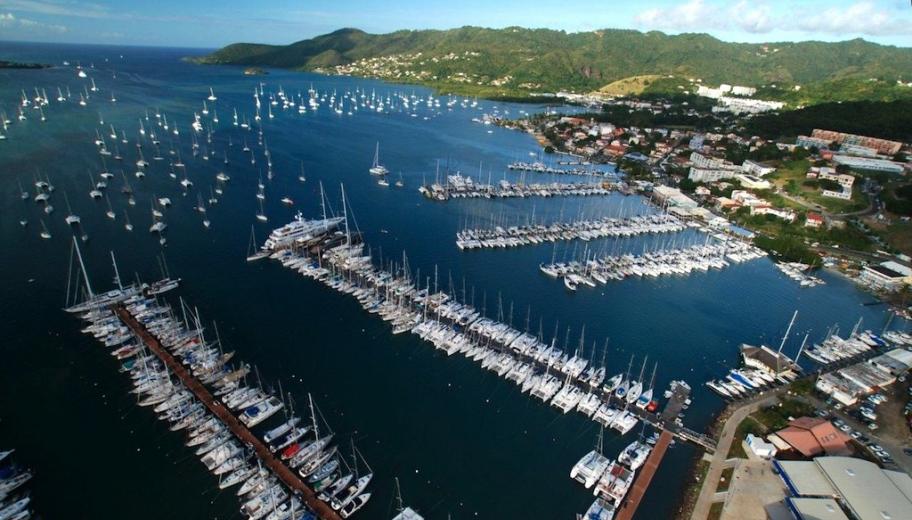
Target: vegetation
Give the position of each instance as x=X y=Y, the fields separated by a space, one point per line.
x=747 y=426
x=725 y=479
x=888 y=120
x=17 y=65
x=515 y=60
x=777 y=417
x=803 y=386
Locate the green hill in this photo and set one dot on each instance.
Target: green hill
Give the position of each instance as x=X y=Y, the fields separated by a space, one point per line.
x=516 y=60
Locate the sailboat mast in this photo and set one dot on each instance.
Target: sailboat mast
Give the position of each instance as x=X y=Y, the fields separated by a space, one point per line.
x=116 y=272
x=85 y=275
x=789 y=329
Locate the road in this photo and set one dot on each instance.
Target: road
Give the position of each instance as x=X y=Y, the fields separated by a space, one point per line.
x=705 y=499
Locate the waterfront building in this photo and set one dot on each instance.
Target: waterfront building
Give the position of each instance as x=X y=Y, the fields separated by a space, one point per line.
x=861 y=489
x=895 y=362
x=759 y=447
x=882 y=277
x=672 y=197
x=766 y=359
x=839 y=388
x=811 y=436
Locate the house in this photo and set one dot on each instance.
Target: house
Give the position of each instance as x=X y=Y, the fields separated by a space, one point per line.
x=755 y=168
x=812 y=436
x=753 y=182
x=759 y=447
x=845 y=180
x=843 y=194
x=765 y=209
x=813 y=220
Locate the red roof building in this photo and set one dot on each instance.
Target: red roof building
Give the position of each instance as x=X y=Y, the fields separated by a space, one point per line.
x=812 y=436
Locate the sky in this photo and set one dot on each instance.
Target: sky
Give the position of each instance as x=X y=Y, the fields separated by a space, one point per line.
x=193 y=23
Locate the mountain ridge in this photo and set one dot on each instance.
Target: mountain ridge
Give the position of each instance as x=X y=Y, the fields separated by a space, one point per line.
x=519 y=60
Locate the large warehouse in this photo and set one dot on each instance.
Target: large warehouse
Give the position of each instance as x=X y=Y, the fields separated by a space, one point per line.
x=862 y=489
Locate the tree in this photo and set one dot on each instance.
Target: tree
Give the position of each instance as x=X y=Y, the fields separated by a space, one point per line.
x=687 y=185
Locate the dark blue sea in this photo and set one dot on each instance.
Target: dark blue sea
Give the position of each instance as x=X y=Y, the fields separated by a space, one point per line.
x=463 y=443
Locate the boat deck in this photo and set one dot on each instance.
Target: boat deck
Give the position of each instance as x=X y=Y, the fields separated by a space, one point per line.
x=283 y=472
x=644 y=477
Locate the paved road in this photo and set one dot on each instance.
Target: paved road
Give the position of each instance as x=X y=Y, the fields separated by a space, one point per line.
x=705 y=500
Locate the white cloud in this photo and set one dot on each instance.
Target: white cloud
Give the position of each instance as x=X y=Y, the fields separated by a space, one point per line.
x=10 y=21
x=862 y=17
x=752 y=17
x=859 y=18
x=57 y=8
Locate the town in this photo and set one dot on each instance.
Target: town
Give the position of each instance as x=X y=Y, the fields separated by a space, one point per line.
x=826 y=199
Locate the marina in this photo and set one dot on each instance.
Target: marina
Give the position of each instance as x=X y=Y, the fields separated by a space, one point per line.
x=586 y=230
x=315 y=341
x=719 y=254
x=551 y=373
x=458 y=186
x=540 y=167
x=135 y=325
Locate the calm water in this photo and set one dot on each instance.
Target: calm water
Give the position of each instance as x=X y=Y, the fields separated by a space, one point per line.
x=462 y=441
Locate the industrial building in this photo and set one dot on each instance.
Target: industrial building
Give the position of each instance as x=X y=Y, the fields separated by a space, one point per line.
x=860 y=489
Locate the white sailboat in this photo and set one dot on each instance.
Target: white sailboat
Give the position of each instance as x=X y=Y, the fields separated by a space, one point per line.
x=377 y=168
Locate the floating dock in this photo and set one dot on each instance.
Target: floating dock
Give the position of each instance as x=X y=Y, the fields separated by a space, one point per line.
x=644 y=477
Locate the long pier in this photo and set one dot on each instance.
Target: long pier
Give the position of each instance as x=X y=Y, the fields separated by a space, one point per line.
x=644 y=478
x=285 y=474
x=665 y=422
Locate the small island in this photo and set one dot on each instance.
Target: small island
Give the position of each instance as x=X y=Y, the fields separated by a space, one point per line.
x=4 y=64
x=254 y=71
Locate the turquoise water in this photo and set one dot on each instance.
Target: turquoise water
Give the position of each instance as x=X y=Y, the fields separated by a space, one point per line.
x=461 y=441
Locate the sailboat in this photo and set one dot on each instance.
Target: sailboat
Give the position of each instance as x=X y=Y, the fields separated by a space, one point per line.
x=260 y=215
x=377 y=168
x=110 y=212
x=45 y=234
x=128 y=226
x=211 y=95
x=254 y=252
x=71 y=217
x=399 y=182
x=301 y=177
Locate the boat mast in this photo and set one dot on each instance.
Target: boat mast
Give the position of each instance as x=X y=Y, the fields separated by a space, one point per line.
x=345 y=215
x=789 y=329
x=116 y=272
x=85 y=275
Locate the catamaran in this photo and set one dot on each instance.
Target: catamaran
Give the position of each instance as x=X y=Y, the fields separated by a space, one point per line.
x=377 y=168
